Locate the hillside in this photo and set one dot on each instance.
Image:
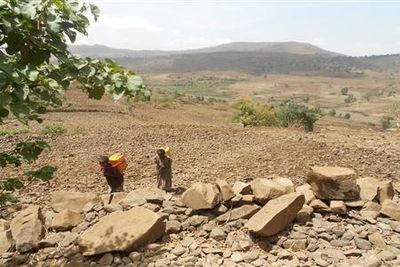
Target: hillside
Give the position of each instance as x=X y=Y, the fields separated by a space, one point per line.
x=275 y=47
x=256 y=58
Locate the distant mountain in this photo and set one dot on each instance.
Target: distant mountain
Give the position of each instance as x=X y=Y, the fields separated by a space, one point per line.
x=273 y=47
x=258 y=58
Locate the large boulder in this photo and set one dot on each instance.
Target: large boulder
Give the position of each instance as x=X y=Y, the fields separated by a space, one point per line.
x=269 y=189
x=5 y=237
x=306 y=190
x=75 y=201
x=140 y=196
x=385 y=191
x=242 y=212
x=368 y=188
x=226 y=189
x=241 y=188
x=27 y=229
x=334 y=183
x=276 y=215
x=122 y=231
x=66 y=220
x=201 y=196
x=391 y=209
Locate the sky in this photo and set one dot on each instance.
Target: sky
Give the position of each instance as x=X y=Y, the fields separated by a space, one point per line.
x=356 y=28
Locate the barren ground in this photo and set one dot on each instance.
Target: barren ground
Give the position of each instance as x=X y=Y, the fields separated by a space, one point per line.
x=204 y=146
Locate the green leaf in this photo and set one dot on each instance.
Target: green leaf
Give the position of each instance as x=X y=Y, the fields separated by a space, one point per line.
x=45 y=173
x=12 y=184
x=33 y=75
x=3 y=79
x=28 y=8
x=95 y=11
x=4 y=113
x=15 y=42
x=134 y=81
x=7 y=197
x=5 y=99
x=21 y=93
x=9 y=158
x=31 y=150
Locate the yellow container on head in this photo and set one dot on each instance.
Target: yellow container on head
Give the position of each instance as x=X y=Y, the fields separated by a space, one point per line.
x=118 y=158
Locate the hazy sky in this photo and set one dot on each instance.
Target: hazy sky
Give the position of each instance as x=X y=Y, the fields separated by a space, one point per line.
x=349 y=27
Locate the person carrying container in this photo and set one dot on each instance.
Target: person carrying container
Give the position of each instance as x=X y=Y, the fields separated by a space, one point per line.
x=164 y=168
x=112 y=168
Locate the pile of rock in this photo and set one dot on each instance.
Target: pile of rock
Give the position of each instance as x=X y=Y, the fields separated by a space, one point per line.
x=335 y=219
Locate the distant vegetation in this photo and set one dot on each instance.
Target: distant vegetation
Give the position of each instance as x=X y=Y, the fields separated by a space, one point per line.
x=54 y=129
x=251 y=113
x=256 y=58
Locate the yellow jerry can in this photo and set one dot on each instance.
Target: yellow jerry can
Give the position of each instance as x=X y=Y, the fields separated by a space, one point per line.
x=118 y=159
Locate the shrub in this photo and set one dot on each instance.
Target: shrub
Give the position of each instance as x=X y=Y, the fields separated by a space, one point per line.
x=251 y=113
x=350 y=99
x=387 y=122
x=297 y=115
x=332 y=113
x=78 y=130
x=54 y=130
x=347 y=116
x=344 y=90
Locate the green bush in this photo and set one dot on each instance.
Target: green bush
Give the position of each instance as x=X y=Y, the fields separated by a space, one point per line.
x=347 y=116
x=54 y=130
x=298 y=115
x=387 y=122
x=332 y=113
x=344 y=90
x=250 y=113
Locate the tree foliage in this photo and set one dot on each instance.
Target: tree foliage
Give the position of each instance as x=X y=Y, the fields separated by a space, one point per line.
x=250 y=113
x=36 y=68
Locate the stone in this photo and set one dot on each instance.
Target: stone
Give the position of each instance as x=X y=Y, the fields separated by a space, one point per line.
x=150 y=195
x=27 y=229
x=269 y=189
x=236 y=257
x=115 y=198
x=395 y=226
x=334 y=183
x=355 y=204
x=122 y=231
x=305 y=214
x=241 y=188
x=75 y=201
x=295 y=245
x=377 y=240
x=178 y=251
x=307 y=192
x=217 y=234
x=247 y=200
x=362 y=243
x=250 y=256
x=197 y=220
x=242 y=212
x=135 y=256
x=220 y=209
x=66 y=220
x=387 y=255
x=368 y=188
x=5 y=237
x=225 y=189
x=106 y=259
x=338 y=207
x=276 y=215
x=173 y=226
x=385 y=191
x=318 y=205
x=391 y=209
x=201 y=196
x=372 y=261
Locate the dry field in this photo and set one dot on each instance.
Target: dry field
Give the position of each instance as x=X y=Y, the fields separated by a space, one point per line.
x=204 y=146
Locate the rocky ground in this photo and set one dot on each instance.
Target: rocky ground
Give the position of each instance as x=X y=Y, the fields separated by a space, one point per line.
x=324 y=233
x=267 y=222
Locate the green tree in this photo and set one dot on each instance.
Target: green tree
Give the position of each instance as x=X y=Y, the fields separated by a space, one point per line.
x=36 y=68
x=292 y=114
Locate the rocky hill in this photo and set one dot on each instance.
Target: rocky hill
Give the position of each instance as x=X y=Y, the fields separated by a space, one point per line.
x=258 y=58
